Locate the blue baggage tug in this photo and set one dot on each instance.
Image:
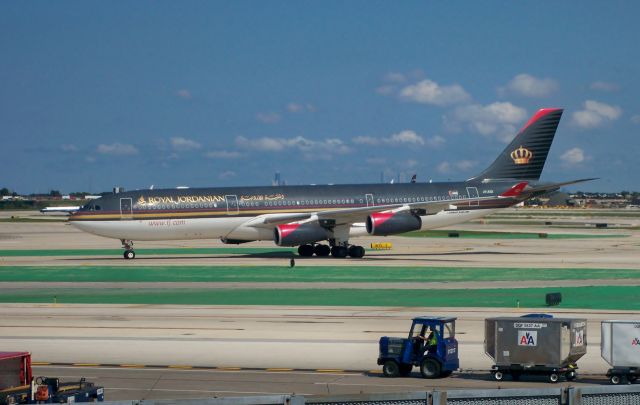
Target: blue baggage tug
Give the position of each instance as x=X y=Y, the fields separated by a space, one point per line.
x=431 y=346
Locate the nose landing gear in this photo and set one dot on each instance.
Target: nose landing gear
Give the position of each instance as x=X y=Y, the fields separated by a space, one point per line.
x=129 y=254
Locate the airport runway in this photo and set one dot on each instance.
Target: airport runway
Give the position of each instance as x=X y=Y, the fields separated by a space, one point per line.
x=339 y=341
x=162 y=383
x=306 y=338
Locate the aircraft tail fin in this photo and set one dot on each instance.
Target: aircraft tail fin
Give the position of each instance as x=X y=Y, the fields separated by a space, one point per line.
x=525 y=156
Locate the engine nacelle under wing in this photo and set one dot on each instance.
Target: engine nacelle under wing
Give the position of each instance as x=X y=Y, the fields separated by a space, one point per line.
x=298 y=234
x=391 y=223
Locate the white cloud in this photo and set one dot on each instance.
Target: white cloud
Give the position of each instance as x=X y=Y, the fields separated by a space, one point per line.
x=184 y=144
x=596 y=114
x=461 y=165
x=184 y=94
x=465 y=164
x=604 y=86
x=497 y=119
x=430 y=92
x=394 y=77
x=530 y=86
x=406 y=137
x=444 y=167
x=268 y=144
x=410 y=163
x=294 y=107
x=227 y=175
x=435 y=141
x=636 y=119
x=573 y=156
x=117 y=149
x=268 y=117
x=68 y=147
x=366 y=140
x=222 y=154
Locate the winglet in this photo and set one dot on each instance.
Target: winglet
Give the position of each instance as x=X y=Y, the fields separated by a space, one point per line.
x=515 y=190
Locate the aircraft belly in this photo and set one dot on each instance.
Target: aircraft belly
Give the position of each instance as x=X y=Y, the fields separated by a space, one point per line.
x=446 y=218
x=162 y=229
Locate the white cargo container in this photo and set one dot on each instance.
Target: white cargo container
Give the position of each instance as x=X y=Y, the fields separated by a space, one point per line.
x=620 y=347
x=535 y=345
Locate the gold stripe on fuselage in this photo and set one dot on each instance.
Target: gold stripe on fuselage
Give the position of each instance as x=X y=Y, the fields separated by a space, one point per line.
x=189 y=214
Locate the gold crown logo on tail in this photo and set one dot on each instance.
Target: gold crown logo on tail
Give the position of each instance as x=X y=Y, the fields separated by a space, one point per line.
x=521 y=156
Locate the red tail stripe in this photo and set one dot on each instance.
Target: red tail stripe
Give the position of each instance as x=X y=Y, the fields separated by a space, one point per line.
x=541 y=113
x=515 y=190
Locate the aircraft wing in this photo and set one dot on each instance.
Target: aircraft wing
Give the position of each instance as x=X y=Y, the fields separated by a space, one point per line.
x=352 y=215
x=347 y=215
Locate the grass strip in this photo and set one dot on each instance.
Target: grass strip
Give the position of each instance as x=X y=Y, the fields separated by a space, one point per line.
x=605 y=297
x=301 y=274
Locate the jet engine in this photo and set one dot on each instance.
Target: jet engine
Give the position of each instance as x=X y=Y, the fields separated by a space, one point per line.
x=390 y=223
x=298 y=234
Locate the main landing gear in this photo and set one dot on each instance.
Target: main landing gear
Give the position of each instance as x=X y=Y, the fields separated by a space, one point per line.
x=128 y=249
x=337 y=251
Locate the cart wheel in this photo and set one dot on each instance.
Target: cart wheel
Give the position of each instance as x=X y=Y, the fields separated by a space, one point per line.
x=570 y=376
x=498 y=375
x=390 y=369
x=553 y=377
x=430 y=368
x=615 y=379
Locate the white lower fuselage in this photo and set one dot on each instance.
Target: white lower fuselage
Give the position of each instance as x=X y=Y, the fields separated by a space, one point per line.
x=232 y=227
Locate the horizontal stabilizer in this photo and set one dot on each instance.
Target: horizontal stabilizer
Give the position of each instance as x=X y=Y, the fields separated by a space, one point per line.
x=546 y=188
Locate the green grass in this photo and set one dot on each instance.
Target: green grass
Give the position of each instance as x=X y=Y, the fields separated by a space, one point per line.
x=299 y=273
x=614 y=298
x=567 y=213
x=505 y=235
x=169 y=251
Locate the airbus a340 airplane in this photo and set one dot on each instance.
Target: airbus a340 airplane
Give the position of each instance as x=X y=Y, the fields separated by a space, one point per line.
x=306 y=215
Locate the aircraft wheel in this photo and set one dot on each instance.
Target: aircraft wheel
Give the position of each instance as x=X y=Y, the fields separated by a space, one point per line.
x=129 y=254
x=322 y=250
x=305 y=250
x=430 y=368
x=356 y=252
x=339 y=252
x=390 y=369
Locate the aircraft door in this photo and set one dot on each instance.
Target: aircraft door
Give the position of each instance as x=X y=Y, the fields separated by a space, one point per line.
x=126 y=208
x=369 y=200
x=232 y=204
x=473 y=193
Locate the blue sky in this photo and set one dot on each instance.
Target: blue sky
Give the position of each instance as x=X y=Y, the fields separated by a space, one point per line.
x=98 y=94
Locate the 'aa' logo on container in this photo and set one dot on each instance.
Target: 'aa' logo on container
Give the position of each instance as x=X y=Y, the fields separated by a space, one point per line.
x=635 y=342
x=527 y=338
x=579 y=337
